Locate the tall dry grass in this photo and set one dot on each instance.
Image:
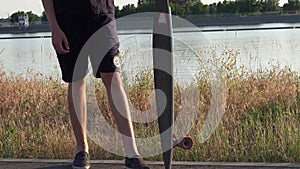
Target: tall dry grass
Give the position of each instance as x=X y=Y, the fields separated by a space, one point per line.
x=261 y=121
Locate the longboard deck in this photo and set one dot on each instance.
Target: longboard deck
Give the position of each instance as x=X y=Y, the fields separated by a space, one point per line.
x=163 y=77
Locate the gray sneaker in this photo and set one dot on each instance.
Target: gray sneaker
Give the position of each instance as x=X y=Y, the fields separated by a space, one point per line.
x=81 y=161
x=135 y=163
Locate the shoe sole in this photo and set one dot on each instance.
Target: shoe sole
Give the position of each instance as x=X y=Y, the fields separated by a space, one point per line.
x=75 y=167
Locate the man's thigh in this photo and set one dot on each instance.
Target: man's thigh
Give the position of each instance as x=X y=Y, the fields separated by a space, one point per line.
x=72 y=66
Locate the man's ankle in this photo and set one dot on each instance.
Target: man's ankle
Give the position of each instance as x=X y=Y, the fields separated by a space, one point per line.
x=83 y=148
x=135 y=155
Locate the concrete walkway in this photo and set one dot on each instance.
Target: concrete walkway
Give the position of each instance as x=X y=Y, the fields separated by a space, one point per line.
x=99 y=164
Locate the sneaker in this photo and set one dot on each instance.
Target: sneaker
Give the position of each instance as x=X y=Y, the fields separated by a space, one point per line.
x=135 y=163
x=81 y=161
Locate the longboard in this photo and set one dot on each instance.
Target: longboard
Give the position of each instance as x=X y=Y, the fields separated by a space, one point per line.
x=163 y=77
x=164 y=82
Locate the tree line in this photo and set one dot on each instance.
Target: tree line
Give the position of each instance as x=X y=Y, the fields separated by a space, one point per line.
x=196 y=7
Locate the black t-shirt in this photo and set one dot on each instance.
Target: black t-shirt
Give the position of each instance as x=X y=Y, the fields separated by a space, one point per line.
x=83 y=7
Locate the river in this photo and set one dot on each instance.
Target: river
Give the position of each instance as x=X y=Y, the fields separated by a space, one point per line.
x=258 y=46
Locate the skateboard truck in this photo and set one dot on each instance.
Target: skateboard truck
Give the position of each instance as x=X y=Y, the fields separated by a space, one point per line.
x=185 y=142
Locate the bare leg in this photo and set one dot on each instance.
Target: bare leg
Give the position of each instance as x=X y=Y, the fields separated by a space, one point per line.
x=118 y=102
x=77 y=109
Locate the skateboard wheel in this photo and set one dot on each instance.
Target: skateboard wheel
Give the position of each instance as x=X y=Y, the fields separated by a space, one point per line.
x=185 y=142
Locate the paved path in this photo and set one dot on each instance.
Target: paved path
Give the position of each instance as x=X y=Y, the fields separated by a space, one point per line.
x=99 y=164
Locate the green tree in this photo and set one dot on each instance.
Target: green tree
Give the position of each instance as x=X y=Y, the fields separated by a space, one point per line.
x=213 y=8
x=146 y=7
x=117 y=12
x=32 y=17
x=230 y=7
x=292 y=5
x=44 y=17
x=14 y=18
x=220 y=8
x=269 y=5
x=128 y=9
x=177 y=9
x=249 y=6
x=197 y=7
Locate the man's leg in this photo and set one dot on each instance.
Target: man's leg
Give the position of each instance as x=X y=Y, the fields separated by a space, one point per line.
x=118 y=102
x=77 y=109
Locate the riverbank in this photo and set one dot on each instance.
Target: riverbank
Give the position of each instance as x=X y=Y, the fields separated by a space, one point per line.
x=246 y=20
x=11 y=29
x=145 y=21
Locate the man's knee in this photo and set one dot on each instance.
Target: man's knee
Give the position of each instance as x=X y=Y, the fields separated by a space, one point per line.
x=78 y=84
x=111 y=80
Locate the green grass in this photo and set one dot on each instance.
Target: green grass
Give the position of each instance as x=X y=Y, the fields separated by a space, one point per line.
x=260 y=124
